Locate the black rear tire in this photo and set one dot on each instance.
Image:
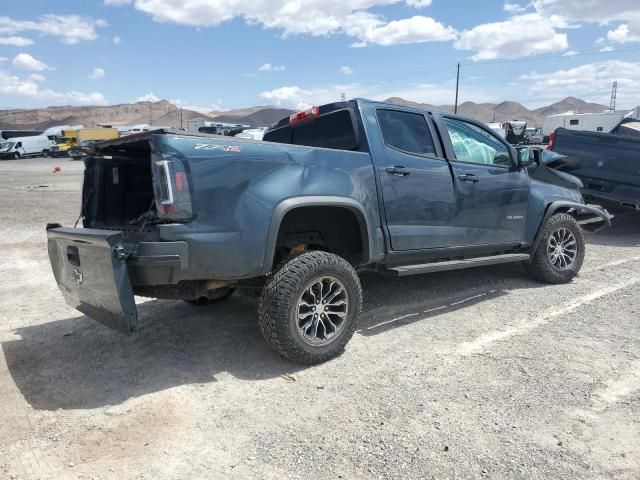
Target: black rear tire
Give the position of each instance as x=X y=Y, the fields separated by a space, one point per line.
x=286 y=303
x=542 y=267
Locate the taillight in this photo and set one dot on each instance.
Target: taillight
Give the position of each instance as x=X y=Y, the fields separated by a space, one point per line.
x=171 y=188
x=552 y=137
x=302 y=116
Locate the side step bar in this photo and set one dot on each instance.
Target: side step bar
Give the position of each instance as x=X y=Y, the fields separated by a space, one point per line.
x=457 y=264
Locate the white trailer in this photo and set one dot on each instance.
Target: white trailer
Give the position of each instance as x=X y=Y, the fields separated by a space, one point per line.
x=498 y=128
x=590 y=122
x=55 y=132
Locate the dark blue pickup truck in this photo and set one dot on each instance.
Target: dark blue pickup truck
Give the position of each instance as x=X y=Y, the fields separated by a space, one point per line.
x=341 y=188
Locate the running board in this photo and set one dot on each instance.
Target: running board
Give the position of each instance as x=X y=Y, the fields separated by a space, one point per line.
x=457 y=264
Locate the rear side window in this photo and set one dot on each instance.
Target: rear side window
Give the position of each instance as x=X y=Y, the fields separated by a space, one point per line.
x=574 y=122
x=406 y=131
x=332 y=130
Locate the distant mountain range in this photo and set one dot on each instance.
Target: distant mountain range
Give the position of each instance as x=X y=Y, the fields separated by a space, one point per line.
x=164 y=113
x=506 y=111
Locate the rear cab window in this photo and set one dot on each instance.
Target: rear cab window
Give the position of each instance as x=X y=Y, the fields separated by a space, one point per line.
x=335 y=128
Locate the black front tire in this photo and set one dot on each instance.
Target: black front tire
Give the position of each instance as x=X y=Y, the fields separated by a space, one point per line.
x=16 y=156
x=45 y=153
x=541 y=267
x=282 y=297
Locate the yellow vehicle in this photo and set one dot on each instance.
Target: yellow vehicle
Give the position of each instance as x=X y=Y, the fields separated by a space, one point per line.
x=71 y=140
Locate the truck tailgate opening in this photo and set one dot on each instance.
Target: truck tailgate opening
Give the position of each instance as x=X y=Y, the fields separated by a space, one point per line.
x=118 y=187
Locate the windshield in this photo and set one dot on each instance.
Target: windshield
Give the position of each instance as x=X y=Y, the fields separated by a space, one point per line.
x=7 y=145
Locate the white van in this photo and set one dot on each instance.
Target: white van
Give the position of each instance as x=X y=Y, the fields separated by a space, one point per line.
x=38 y=145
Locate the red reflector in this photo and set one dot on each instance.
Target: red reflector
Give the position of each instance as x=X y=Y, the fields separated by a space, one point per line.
x=170 y=209
x=302 y=116
x=180 y=181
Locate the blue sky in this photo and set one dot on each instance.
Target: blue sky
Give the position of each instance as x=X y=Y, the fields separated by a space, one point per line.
x=222 y=54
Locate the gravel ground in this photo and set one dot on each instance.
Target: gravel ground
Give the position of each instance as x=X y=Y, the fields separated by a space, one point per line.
x=469 y=374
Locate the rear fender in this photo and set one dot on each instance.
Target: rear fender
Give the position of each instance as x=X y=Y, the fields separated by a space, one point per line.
x=318 y=201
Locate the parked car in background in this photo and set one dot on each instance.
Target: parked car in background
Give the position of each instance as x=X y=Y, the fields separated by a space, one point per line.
x=33 y=146
x=514 y=131
x=81 y=151
x=609 y=163
x=533 y=136
x=252 y=133
x=348 y=186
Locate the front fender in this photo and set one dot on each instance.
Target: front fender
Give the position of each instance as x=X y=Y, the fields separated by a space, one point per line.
x=590 y=217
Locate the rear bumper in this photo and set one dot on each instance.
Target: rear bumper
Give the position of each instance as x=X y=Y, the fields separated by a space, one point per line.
x=158 y=263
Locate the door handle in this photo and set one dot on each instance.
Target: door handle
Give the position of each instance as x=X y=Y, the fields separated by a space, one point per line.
x=398 y=170
x=468 y=177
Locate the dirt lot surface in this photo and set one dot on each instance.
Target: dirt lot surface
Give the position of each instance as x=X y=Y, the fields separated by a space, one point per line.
x=469 y=374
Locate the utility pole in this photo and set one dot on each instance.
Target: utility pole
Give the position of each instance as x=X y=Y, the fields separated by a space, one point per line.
x=614 y=92
x=180 y=117
x=343 y=97
x=455 y=107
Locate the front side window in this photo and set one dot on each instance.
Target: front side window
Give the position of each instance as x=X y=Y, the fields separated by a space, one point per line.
x=476 y=145
x=574 y=122
x=406 y=131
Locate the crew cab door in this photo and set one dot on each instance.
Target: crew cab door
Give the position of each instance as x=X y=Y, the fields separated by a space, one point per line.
x=417 y=188
x=492 y=194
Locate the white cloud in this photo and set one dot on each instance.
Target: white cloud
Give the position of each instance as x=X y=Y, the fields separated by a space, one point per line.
x=347 y=70
x=416 y=29
x=513 y=8
x=149 y=97
x=36 y=77
x=419 y=3
x=518 y=36
x=117 y=3
x=3 y=59
x=14 y=86
x=309 y=17
x=116 y=40
x=97 y=73
x=268 y=67
x=300 y=98
x=607 y=49
x=69 y=29
x=591 y=82
x=623 y=34
x=16 y=41
x=570 y=53
x=25 y=61
x=595 y=11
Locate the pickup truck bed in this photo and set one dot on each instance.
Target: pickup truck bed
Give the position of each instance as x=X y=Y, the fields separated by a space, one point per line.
x=609 y=164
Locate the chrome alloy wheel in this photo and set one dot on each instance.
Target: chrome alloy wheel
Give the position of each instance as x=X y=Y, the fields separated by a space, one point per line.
x=562 y=249
x=322 y=310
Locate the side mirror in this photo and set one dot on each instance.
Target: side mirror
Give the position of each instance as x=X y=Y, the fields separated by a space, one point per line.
x=525 y=157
